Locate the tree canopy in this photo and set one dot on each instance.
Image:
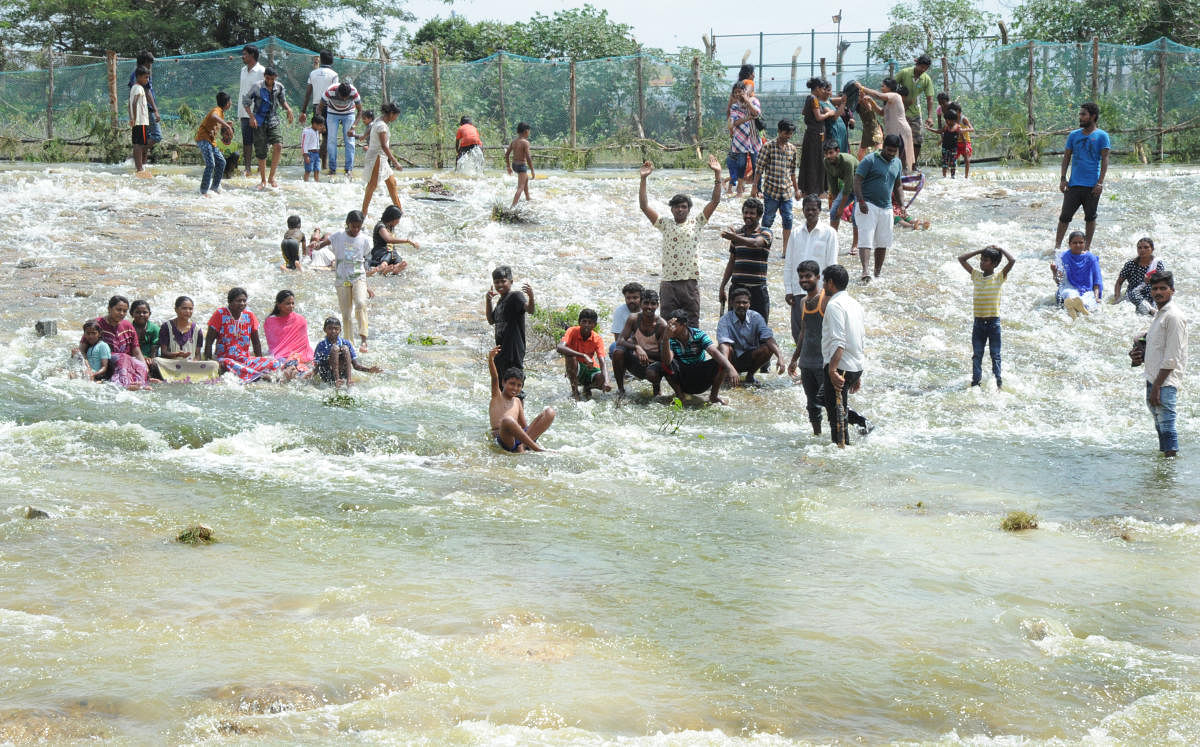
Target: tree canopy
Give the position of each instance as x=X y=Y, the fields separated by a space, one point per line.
x=577 y=33
x=1113 y=21
x=934 y=27
x=180 y=27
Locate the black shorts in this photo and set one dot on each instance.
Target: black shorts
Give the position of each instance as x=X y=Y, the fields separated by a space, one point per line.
x=377 y=259
x=141 y=134
x=1073 y=198
x=247 y=132
x=744 y=363
x=635 y=368
x=695 y=378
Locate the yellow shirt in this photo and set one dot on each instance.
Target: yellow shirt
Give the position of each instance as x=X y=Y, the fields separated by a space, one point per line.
x=987 y=293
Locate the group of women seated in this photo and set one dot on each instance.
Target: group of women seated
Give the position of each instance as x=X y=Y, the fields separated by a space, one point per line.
x=133 y=351
x=1076 y=272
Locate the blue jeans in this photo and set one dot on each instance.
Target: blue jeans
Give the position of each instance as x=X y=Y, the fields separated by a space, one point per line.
x=784 y=207
x=214 y=166
x=1164 y=417
x=154 y=134
x=986 y=332
x=331 y=126
x=736 y=163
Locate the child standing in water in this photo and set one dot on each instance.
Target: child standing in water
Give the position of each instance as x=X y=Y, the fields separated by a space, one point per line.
x=517 y=160
x=506 y=411
x=310 y=147
x=987 y=284
x=139 y=120
x=350 y=250
x=97 y=351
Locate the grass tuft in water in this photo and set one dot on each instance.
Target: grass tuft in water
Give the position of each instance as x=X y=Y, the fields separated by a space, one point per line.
x=341 y=399
x=1019 y=521
x=414 y=339
x=505 y=214
x=196 y=535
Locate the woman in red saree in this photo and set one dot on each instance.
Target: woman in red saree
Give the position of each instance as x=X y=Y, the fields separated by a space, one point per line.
x=232 y=335
x=128 y=366
x=287 y=336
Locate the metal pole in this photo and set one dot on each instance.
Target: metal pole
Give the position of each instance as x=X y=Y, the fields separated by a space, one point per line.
x=867 y=71
x=760 y=62
x=437 y=110
x=1030 y=122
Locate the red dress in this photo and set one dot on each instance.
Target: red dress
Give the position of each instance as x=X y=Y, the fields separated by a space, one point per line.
x=232 y=346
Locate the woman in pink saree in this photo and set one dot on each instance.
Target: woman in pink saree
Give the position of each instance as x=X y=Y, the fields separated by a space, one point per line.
x=128 y=366
x=287 y=336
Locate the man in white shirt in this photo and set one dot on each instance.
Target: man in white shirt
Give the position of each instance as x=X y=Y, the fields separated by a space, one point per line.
x=812 y=241
x=319 y=80
x=842 y=336
x=251 y=79
x=1165 y=356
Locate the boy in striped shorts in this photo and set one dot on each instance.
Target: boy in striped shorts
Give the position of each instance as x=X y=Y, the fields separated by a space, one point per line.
x=987 y=306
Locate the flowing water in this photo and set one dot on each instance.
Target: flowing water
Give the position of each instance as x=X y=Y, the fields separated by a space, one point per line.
x=383 y=574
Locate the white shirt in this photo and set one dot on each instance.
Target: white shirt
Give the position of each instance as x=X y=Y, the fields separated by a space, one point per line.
x=843 y=328
x=139 y=114
x=321 y=79
x=821 y=246
x=1166 y=345
x=351 y=253
x=620 y=316
x=251 y=79
x=309 y=140
x=322 y=257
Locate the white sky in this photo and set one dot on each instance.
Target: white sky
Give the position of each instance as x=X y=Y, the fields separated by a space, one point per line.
x=670 y=25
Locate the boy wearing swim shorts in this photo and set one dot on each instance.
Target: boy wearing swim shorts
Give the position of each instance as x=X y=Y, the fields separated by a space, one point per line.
x=583 y=350
x=506 y=411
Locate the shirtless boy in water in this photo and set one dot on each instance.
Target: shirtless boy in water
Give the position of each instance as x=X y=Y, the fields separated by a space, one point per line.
x=518 y=160
x=507 y=411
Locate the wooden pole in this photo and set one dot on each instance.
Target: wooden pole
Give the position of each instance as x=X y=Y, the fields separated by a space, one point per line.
x=574 y=105
x=50 y=92
x=945 y=73
x=383 y=66
x=1095 y=68
x=822 y=67
x=110 y=62
x=437 y=110
x=500 y=91
x=641 y=97
x=1030 y=122
x=1162 y=87
x=696 y=102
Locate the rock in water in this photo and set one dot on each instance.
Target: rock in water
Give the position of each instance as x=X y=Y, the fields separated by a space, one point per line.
x=35 y=513
x=46 y=327
x=196 y=535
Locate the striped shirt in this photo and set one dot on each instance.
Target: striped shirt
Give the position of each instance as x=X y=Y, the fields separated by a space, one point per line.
x=693 y=350
x=745 y=136
x=987 y=293
x=749 y=262
x=335 y=104
x=777 y=166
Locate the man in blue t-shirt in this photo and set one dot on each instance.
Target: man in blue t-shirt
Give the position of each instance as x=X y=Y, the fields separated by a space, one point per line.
x=876 y=188
x=1088 y=146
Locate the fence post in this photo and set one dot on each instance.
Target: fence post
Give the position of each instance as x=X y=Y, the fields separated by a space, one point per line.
x=822 y=67
x=945 y=68
x=1030 y=122
x=383 y=65
x=1095 y=68
x=1162 y=84
x=867 y=70
x=795 y=56
x=641 y=96
x=760 y=59
x=891 y=68
x=574 y=104
x=812 y=52
x=50 y=92
x=696 y=102
x=500 y=88
x=110 y=62
x=437 y=109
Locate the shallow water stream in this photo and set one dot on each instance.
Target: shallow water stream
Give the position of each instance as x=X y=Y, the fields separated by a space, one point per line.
x=383 y=574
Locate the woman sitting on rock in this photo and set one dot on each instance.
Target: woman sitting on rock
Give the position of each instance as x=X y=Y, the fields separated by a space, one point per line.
x=232 y=335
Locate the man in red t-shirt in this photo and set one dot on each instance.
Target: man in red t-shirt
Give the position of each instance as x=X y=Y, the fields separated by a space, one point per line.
x=583 y=350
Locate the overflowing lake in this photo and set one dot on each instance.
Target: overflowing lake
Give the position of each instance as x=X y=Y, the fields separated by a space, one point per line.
x=382 y=573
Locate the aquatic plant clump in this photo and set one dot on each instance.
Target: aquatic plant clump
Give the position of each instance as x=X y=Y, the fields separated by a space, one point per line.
x=1019 y=521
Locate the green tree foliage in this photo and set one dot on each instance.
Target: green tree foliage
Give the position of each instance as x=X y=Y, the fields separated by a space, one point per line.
x=934 y=27
x=1113 y=21
x=578 y=33
x=179 y=27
